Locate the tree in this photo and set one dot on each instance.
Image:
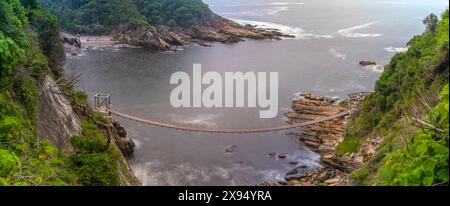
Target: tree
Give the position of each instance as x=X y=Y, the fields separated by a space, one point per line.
x=431 y=21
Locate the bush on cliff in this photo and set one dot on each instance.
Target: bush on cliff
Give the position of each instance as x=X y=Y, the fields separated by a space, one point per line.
x=424 y=161
x=407 y=90
x=95 y=164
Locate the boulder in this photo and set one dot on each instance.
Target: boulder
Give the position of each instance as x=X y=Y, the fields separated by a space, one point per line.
x=333 y=181
x=278 y=155
x=298 y=173
x=125 y=143
x=230 y=149
x=367 y=63
x=71 y=40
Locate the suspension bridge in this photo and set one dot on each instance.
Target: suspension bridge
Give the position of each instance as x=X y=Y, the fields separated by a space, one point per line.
x=103 y=105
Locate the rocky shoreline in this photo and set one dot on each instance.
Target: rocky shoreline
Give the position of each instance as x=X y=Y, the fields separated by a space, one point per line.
x=217 y=29
x=322 y=138
x=163 y=38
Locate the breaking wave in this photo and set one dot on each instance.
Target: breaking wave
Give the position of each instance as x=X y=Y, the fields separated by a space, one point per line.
x=350 y=32
x=396 y=49
x=299 y=33
x=259 y=13
x=266 y=4
x=337 y=54
x=375 y=68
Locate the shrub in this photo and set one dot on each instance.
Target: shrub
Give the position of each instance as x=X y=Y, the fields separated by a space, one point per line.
x=97 y=169
x=95 y=164
x=9 y=163
x=349 y=145
x=424 y=161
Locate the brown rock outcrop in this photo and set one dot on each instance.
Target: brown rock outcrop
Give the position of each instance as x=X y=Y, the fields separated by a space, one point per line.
x=323 y=138
x=123 y=142
x=218 y=29
x=367 y=63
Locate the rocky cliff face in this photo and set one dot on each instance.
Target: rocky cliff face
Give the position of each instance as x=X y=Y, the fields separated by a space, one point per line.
x=58 y=122
x=57 y=119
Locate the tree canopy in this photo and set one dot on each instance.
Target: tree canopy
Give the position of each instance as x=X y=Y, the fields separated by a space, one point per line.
x=103 y=16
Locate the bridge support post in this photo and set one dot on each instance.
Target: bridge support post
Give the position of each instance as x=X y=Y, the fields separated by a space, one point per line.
x=102 y=104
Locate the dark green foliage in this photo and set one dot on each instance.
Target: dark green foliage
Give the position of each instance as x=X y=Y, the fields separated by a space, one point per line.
x=12 y=34
x=9 y=163
x=422 y=69
x=408 y=88
x=91 y=141
x=97 y=169
x=425 y=159
x=13 y=21
x=96 y=16
x=95 y=164
x=431 y=21
x=104 y=16
x=349 y=145
x=183 y=13
x=29 y=43
x=81 y=98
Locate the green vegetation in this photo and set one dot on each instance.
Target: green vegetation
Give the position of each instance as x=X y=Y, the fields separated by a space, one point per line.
x=103 y=17
x=349 y=145
x=96 y=165
x=30 y=48
x=404 y=95
x=95 y=16
x=24 y=159
x=424 y=161
x=183 y=13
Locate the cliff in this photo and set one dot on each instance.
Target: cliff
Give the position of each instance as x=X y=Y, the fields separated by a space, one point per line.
x=399 y=135
x=57 y=121
x=48 y=134
x=401 y=131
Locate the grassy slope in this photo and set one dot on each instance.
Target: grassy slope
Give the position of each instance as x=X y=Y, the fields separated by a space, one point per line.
x=409 y=88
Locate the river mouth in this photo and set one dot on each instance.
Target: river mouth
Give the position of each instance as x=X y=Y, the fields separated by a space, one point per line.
x=138 y=82
x=323 y=60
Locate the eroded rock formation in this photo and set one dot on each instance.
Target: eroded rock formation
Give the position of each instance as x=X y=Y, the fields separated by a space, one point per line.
x=58 y=121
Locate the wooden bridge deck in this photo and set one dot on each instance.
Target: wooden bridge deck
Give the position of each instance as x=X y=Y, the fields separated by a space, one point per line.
x=230 y=131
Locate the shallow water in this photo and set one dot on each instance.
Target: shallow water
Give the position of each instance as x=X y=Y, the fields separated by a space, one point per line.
x=331 y=38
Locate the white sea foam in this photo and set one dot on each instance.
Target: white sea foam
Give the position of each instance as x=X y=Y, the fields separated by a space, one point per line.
x=265 y=4
x=157 y=173
x=337 y=54
x=299 y=33
x=153 y=173
x=276 y=10
x=258 y=13
x=375 y=68
x=285 y=3
x=350 y=32
x=396 y=49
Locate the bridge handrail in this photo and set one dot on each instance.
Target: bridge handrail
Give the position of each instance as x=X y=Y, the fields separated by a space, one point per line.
x=211 y=130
